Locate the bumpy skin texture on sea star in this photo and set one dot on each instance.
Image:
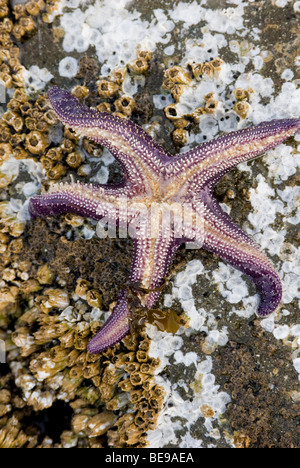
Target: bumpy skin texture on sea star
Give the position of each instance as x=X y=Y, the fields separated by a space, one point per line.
x=165 y=200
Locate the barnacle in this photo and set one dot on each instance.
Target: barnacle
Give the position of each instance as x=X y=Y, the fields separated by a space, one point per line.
x=176 y=89
x=210 y=106
x=14 y=65
x=34 y=7
x=30 y=123
x=50 y=117
x=16 y=141
x=9 y=116
x=5 y=151
x=5 y=180
x=29 y=286
x=93 y=298
x=197 y=70
x=56 y=172
x=100 y=423
x=27 y=24
x=36 y=142
x=56 y=298
x=18 y=31
x=6 y=78
x=4 y=10
x=242 y=94
x=171 y=112
x=6 y=25
x=74 y=159
x=177 y=81
x=17 y=123
x=18 y=152
x=18 y=11
x=14 y=105
x=125 y=104
x=207 y=69
x=179 y=136
x=141 y=356
x=82 y=287
x=178 y=75
x=44 y=274
x=217 y=64
x=11 y=435
x=55 y=154
x=47 y=163
x=107 y=88
x=139 y=65
x=104 y=107
x=118 y=75
x=89 y=145
x=5 y=132
x=41 y=126
x=241 y=108
x=81 y=92
x=67 y=145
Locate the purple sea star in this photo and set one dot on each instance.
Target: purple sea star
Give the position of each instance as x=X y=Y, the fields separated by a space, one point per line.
x=165 y=200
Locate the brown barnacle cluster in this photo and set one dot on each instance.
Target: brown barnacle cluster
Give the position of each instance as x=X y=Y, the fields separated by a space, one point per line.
x=58 y=159
x=242 y=106
x=50 y=7
x=137 y=381
x=181 y=123
x=209 y=107
x=210 y=69
x=24 y=128
x=24 y=23
x=33 y=9
x=12 y=435
x=10 y=274
x=142 y=63
x=110 y=89
x=51 y=343
x=10 y=226
x=17 y=23
x=177 y=80
x=24 y=133
x=113 y=396
x=10 y=67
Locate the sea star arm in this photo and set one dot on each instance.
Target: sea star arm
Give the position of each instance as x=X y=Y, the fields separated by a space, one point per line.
x=150 y=264
x=224 y=238
x=114 y=329
x=139 y=155
x=93 y=201
x=208 y=162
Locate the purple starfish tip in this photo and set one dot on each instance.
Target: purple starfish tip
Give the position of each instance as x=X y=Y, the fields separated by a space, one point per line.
x=114 y=329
